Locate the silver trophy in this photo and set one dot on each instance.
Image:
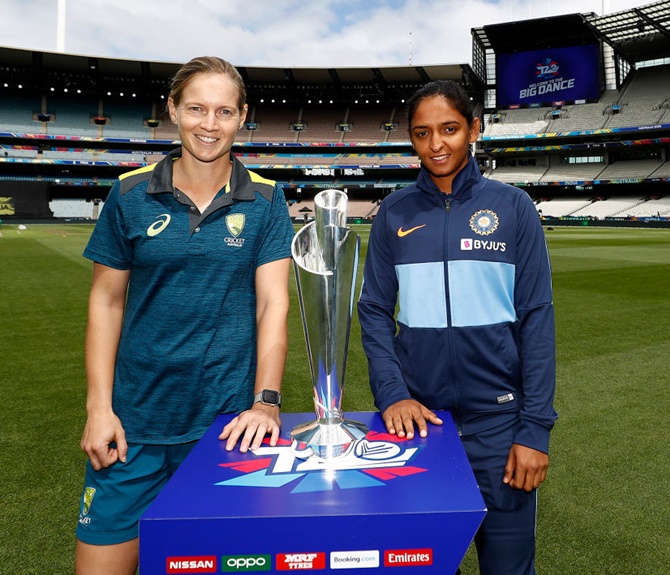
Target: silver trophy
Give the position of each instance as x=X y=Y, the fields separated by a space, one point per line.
x=325 y=257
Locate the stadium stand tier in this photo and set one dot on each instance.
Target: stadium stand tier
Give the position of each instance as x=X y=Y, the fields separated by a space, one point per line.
x=587 y=136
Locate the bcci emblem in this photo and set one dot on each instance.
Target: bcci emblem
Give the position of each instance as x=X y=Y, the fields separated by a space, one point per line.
x=235 y=224
x=484 y=222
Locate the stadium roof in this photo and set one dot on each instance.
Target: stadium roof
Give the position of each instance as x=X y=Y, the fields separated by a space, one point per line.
x=638 y=34
x=525 y=35
x=42 y=71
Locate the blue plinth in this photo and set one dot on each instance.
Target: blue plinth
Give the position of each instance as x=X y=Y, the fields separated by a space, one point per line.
x=387 y=506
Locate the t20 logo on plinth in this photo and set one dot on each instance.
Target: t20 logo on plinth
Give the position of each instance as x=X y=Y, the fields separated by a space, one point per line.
x=325 y=257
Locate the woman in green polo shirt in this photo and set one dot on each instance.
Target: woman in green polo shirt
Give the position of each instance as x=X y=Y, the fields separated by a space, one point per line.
x=187 y=314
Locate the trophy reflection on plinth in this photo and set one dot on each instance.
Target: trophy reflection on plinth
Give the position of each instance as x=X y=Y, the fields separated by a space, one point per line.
x=325 y=257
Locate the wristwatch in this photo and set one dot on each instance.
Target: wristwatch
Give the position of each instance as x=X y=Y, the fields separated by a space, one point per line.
x=268 y=397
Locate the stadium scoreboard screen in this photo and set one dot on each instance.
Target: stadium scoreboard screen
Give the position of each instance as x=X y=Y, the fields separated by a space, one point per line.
x=548 y=75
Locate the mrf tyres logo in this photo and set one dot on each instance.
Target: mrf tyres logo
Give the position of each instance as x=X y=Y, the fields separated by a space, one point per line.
x=245 y=563
x=300 y=561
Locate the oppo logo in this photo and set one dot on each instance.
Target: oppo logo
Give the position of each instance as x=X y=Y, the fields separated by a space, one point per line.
x=245 y=563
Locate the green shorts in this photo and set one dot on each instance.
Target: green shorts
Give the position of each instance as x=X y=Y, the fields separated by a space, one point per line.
x=115 y=498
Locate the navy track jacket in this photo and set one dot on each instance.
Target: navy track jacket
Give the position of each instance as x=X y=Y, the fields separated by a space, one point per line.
x=474 y=331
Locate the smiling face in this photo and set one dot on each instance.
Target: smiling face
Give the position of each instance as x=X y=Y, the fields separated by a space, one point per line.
x=207 y=116
x=441 y=137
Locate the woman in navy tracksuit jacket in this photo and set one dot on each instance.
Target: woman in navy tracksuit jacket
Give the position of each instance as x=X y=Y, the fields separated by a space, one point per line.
x=466 y=261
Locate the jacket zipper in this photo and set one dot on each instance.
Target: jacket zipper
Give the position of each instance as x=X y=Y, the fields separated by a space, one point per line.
x=451 y=382
x=447 y=228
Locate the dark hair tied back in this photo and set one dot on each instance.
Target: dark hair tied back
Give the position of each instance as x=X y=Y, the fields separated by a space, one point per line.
x=450 y=91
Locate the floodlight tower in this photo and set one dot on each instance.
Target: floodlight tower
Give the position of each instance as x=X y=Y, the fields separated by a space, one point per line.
x=60 y=27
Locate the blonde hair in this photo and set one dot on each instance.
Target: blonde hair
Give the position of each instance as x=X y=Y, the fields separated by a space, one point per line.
x=206 y=65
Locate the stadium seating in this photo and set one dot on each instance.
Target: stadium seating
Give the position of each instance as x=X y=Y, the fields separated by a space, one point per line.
x=12 y=152
x=518 y=174
x=642 y=98
x=583 y=117
x=367 y=123
x=321 y=125
x=560 y=207
x=663 y=171
x=612 y=207
x=613 y=149
x=630 y=169
x=518 y=123
x=79 y=209
x=72 y=116
x=572 y=172
x=272 y=125
x=652 y=207
x=16 y=114
x=126 y=120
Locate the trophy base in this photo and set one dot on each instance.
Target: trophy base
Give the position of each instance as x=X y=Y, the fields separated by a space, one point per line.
x=326 y=438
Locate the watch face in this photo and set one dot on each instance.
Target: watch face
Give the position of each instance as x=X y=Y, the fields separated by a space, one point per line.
x=270 y=396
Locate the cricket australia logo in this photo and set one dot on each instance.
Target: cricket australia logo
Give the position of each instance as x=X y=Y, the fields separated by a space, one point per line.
x=89 y=493
x=235 y=224
x=484 y=222
x=369 y=462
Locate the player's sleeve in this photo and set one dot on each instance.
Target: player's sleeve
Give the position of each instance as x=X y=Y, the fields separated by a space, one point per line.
x=275 y=243
x=376 y=309
x=535 y=312
x=108 y=244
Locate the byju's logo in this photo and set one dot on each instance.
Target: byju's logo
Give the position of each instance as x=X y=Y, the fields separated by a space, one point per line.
x=245 y=563
x=468 y=244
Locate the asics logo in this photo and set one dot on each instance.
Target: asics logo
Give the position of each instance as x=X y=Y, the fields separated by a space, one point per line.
x=159 y=225
x=402 y=233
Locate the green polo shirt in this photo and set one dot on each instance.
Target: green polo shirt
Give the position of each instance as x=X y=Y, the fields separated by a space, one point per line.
x=188 y=345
